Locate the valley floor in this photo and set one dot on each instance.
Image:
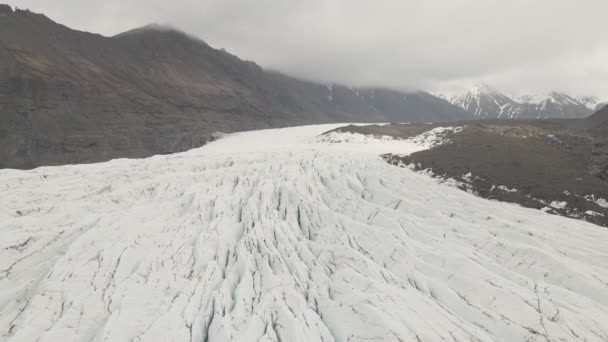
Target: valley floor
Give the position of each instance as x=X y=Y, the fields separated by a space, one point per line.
x=283 y=235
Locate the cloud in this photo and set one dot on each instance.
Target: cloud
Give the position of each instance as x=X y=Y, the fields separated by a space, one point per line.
x=517 y=45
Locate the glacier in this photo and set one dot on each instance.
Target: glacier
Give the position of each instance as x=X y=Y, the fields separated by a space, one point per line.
x=284 y=235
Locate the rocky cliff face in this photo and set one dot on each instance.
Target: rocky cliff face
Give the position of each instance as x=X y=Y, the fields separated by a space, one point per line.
x=71 y=97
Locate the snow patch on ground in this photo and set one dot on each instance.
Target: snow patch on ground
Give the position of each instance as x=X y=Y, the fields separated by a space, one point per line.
x=380 y=144
x=506 y=189
x=435 y=137
x=353 y=138
x=432 y=138
x=602 y=202
x=558 y=204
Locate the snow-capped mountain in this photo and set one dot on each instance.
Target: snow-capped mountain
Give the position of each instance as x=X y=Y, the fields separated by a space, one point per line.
x=278 y=235
x=484 y=102
x=593 y=102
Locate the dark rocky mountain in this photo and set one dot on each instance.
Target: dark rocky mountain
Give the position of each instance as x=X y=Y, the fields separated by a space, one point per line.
x=71 y=97
x=600 y=117
x=598 y=125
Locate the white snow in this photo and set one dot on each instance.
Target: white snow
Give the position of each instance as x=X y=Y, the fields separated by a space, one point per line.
x=354 y=138
x=434 y=137
x=275 y=236
x=602 y=202
x=558 y=204
x=507 y=189
x=484 y=101
x=592 y=102
x=468 y=177
x=387 y=144
x=599 y=201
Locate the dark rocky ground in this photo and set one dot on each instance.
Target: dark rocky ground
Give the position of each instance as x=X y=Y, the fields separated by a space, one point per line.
x=531 y=163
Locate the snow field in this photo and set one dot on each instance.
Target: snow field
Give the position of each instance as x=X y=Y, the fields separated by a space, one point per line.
x=279 y=235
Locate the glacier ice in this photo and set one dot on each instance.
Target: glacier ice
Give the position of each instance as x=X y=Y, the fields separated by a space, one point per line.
x=277 y=235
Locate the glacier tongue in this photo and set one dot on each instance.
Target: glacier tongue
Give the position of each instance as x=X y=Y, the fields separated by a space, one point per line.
x=276 y=235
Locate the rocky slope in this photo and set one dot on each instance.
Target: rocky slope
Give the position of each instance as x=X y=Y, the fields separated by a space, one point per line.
x=600 y=117
x=598 y=125
x=559 y=166
x=484 y=102
x=70 y=97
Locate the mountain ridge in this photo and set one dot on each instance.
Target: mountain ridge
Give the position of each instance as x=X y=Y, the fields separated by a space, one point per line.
x=71 y=96
x=485 y=102
x=77 y=97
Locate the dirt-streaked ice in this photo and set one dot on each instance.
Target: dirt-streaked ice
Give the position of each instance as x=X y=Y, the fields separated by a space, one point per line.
x=276 y=235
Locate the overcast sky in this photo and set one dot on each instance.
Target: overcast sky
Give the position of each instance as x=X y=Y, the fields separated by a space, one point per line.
x=514 y=45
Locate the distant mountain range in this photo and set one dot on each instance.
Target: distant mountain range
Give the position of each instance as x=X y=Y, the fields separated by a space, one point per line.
x=74 y=97
x=484 y=102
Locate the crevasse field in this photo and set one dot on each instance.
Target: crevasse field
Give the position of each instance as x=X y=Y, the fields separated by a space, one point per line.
x=282 y=235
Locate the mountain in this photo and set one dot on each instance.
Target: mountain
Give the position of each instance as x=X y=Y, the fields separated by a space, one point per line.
x=601 y=116
x=71 y=97
x=275 y=235
x=561 y=105
x=485 y=102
